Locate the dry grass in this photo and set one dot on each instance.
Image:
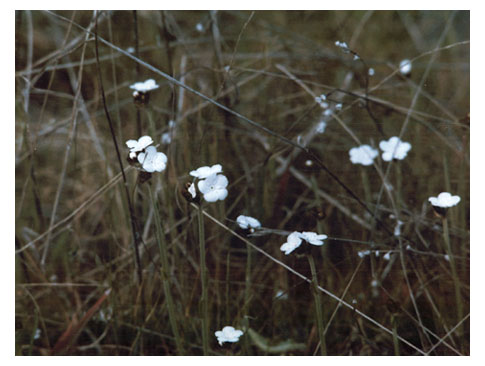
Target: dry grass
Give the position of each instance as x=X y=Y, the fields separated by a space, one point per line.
x=241 y=93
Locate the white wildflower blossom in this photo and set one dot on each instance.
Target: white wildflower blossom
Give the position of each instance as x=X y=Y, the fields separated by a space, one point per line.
x=363 y=154
x=363 y=253
x=321 y=127
x=206 y=171
x=387 y=256
x=140 y=144
x=371 y=72
x=394 y=148
x=191 y=190
x=214 y=187
x=152 y=161
x=444 y=200
x=405 y=67
x=248 y=222
x=145 y=86
x=313 y=238
x=292 y=242
x=228 y=334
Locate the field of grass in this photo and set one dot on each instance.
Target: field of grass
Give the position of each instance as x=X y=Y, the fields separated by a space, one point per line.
x=111 y=260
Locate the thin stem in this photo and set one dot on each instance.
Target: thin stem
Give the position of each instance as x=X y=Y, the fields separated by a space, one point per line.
x=456 y=281
x=203 y=278
x=134 y=226
x=318 y=306
x=162 y=246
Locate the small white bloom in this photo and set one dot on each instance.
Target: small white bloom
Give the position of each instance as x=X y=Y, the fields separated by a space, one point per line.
x=408 y=247
x=338 y=106
x=397 y=229
x=371 y=72
x=356 y=57
x=205 y=171
x=447 y=257
x=37 y=333
x=343 y=46
x=321 y=127
x=166 y=138
x=377 y=253
x=192 y=191
x=214 y=187
x=405 y=67
x=145 y=86
x=171 y=124
x=313 y=238
x=308 y=163
x=199 y=27
x=246 y=222
x=152 y=161
x=327 y=112
x=142 y=143
x=130 y=49
x=394 y=148
x=374 y=283
x=292 y=242
x=444 y=200
x=363 y=253
x=387 y=256
x=228 y=334
x=364 y=155
x=281 y=295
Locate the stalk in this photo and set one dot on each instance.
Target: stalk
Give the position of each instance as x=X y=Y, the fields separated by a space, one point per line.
x=203 y=277
x=318 y=306
x=446 y=237
x=162 y=246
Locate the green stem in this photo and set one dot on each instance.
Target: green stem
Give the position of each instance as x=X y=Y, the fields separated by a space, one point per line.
x=394 y=335
x=162 y=246
x=203 y=277
x=318 y=306
x=456 y=281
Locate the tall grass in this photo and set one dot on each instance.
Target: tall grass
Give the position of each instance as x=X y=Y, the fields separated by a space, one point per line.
x=107 y=264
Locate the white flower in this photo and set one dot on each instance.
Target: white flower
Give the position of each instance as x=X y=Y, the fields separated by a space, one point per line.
x=152 y=161
x=246 y=222
x=321 y=127
x=228 y=334
x=343 y=46
x=394 y=148
x=292 y=242
x=313 y=238
x=387 y=256
x=397 y=229
x=214 y=187
x=444 y=200
x=363 y=253
x=338 y=106
x=192 y=191
x=371 y=72
x=199 y=27
x=37 y=333
x=145 y=86
x=140 y=145
x=364 y=155
x=405 y=67
x=205 y=171
x=166 y=138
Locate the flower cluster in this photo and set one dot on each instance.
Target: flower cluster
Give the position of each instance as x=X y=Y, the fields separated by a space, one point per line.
x=211 y=184
x=228 y=334
x=149 y=158
x=294 y=240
